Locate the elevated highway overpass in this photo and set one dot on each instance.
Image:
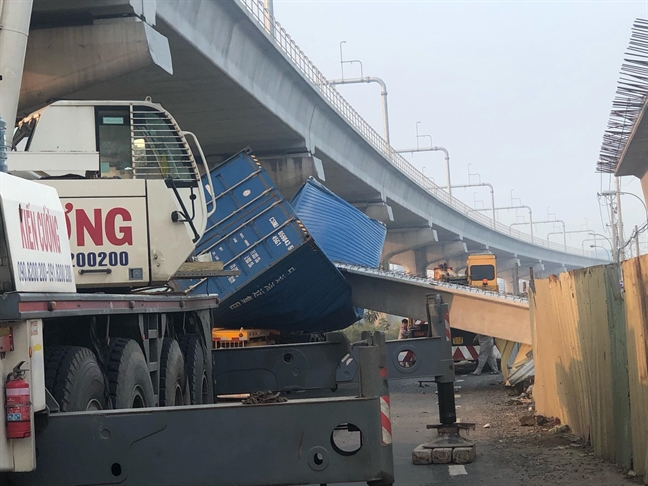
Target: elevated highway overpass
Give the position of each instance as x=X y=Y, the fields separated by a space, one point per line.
x=236 y=81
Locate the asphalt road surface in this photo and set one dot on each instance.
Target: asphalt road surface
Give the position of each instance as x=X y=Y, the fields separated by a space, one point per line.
x=508 y=454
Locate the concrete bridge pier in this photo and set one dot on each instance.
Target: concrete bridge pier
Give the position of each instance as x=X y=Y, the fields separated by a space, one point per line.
x=539 y=270
x=418 y=260
x=401 y=241
x=510 y=269
x=289 y=171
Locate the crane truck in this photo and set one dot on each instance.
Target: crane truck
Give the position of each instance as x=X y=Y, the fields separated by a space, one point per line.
x=481 y=272
x=102 y=205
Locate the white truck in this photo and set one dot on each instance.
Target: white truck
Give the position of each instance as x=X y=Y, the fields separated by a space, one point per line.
x=107 y=375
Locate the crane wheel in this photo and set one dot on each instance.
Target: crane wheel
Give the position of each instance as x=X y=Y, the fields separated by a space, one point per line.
x=196 y=368
x=129 y=380
x=74 y=378
x=172 y=374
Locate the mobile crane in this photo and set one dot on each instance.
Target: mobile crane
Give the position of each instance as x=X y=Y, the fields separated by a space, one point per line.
x=115 y=204
x=481 y=272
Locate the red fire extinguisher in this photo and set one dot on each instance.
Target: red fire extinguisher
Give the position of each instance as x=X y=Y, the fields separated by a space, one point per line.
x=17 y=404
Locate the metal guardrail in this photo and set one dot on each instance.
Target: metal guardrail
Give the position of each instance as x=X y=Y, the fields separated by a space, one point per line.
x=303 y=64
x=404 y=277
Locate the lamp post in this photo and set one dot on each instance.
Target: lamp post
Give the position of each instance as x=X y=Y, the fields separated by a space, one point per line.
x=433 y=149
x=268 y=6
x=514 y=207
x=617 y=194
x=602 y=247
x=365 y=79
x=615 y=251
x=492 y=192
x=547 y=222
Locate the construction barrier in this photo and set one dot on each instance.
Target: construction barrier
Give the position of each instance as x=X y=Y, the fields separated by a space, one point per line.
x=590 y=357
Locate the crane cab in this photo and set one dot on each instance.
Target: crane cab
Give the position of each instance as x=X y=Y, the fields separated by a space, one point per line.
x=129 y=184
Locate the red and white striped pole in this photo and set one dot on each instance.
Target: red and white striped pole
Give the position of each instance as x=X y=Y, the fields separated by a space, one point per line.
x=372 y=361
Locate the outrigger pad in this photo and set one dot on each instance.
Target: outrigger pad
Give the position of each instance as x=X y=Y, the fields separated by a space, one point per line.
x=449 y=446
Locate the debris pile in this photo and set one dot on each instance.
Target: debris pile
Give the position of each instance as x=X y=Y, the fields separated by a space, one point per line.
x=257 y=398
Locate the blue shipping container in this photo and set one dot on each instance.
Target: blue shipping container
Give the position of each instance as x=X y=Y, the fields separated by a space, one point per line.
x=287 y=283
x=342 y=231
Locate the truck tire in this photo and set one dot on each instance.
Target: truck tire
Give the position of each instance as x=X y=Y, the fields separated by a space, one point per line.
x=74 y=378
x=172 y=374
x=195 y=366
x=129 y=381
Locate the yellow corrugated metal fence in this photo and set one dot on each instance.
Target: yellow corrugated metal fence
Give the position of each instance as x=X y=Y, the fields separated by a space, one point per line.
x=584 y=374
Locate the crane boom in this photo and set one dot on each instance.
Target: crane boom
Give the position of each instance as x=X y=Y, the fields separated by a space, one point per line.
x=15 y=16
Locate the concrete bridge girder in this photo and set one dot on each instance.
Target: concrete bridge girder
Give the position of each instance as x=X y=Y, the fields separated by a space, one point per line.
x=470 y=311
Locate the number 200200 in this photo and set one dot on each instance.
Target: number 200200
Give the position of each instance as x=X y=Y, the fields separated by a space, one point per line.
x=100 y=259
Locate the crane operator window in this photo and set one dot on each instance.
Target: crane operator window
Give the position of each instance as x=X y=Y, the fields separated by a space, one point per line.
x=114 y=139
x=159 y=151
x=142 y=143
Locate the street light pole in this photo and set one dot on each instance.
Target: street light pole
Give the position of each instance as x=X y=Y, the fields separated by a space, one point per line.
x=433 y=149
x=618 y=193
x=606 y=250
x=619 y=219
x=268 y=6
x=492 y=191
x=564 y=233
x=365 y=79
x=514 y=207
x=611 y=243
x=546 y=222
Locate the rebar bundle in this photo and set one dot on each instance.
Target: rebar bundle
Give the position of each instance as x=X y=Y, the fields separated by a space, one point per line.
x=629 y=101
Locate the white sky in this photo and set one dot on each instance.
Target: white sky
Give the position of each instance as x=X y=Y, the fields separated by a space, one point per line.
x=521 y=90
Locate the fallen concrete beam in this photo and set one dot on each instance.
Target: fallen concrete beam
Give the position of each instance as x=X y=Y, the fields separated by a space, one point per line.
x=471 y=310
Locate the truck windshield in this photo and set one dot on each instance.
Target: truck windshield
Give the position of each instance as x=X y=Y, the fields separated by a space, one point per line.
x=481 y=272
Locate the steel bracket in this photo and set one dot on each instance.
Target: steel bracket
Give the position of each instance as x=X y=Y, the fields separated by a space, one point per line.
x=287 y=368
x=301 y=441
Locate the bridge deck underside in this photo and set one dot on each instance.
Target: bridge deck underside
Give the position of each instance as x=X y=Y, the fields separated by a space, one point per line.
x=233 y=88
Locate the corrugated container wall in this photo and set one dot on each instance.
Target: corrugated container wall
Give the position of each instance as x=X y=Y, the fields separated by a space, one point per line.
x=342 y=231
x=287 y=283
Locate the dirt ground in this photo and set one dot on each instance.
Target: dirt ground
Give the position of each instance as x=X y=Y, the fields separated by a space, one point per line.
x=508 y=454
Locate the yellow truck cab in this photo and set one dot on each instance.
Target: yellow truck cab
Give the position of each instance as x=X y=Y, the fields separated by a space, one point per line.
x=482 y=271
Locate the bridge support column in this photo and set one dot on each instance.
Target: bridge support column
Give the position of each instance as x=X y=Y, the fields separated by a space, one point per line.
x=539 y=270
x=291 y=171
x=451 y=252
x=378 y=210
x=421 y=262
x=403 y=240
x=509 y=270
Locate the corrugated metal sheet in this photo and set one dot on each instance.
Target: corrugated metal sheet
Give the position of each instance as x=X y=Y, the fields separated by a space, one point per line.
x=635 y=283
x=580 y=374
x=342 y=231
x=286 y=281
